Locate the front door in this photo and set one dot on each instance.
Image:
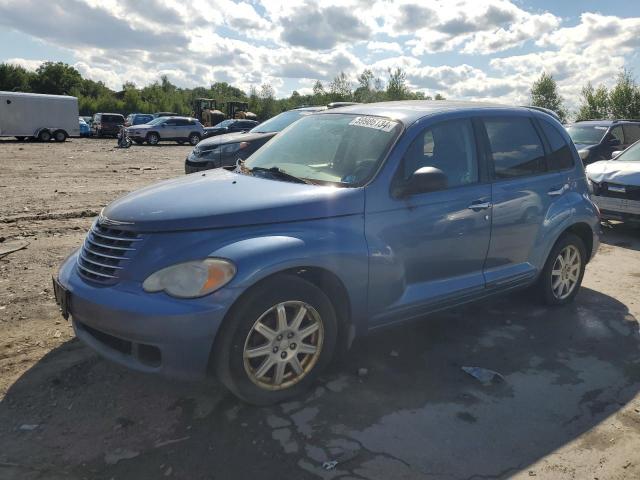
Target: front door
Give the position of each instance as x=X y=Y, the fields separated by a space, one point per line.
x=428 y=250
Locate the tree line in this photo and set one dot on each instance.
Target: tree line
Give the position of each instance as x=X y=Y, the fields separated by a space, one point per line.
x=59 y=78
x=620 y=101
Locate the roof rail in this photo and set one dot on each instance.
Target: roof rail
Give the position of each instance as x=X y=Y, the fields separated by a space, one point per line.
x=545 y=110
x=625 y=120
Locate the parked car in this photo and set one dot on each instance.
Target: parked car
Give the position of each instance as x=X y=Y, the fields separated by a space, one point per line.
x=598 y=139
x=225 y=150
x=229 y=126
x=615 y=185
x=346 y=222
x=138 y=119
x=85 y=129
x=37 y=116
x=107 y=124
x=178 y=129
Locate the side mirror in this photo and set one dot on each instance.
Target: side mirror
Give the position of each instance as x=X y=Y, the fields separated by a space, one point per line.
x=616 y=154
x=424 y=180
x=614 y=142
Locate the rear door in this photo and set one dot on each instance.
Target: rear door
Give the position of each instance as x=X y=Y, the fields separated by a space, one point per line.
x=169 y=129
x=524 y=193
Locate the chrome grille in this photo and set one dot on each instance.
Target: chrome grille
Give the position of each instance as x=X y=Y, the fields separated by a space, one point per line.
x=105 y=252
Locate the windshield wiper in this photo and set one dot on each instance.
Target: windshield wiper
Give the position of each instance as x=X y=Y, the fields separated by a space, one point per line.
x=276 y=172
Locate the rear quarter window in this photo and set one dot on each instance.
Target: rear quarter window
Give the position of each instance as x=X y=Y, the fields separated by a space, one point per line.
x=631 y=133
x=560 y=156
x=515 y=147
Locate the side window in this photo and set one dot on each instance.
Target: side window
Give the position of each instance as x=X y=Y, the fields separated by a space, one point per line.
x=616 y=132
x=560 y=156
x=170 y=123
x=631 y=133
x=515 y=147
x=449 y=146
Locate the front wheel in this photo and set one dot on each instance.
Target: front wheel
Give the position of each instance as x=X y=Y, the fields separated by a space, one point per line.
x=194 y=138
x=153 y=138
x=562 y=275
x=276 y=341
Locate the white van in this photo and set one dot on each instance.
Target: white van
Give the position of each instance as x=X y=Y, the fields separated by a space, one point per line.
x=44 y=117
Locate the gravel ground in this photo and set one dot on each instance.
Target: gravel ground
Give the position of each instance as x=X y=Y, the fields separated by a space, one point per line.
x=568 y=406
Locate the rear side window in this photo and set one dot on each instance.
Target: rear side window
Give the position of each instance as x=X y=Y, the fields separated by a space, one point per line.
x=515 y=147
x=631 y=133
x=449 y=146
x=560 y=157
x=616 y=132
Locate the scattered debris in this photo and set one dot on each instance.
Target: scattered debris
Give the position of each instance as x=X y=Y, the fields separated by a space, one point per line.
x=170 y=442
x=57 y=334
x=484 y=375
x=394 y=353
x=12 y=246
x=28 y=427
x=168 y=471
x=330 y=465
x=363 y=372
x=118 y=454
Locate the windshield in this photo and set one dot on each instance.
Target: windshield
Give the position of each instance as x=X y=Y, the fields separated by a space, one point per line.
x=631 y=154
x=157 y=121
x=334 y=148
x=587 y=134
x=280 y=122
x=224 y=123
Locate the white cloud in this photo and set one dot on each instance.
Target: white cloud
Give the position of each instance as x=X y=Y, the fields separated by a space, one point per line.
x=384 y=47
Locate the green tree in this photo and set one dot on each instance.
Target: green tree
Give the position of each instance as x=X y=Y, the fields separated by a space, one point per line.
x=594 y=103
x=397 y=85
x=624 y=97
x=340 y=88
x=14 y=78
x=544 y=93
x=57 y=79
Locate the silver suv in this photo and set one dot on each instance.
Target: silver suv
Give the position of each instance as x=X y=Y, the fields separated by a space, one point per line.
x=178 y=129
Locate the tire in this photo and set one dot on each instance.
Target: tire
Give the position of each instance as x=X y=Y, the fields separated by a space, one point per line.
x=194 y=139
x=59 y=135
x=20 y=139
x=153 y=138
x=242 y=375
x=554 y=271
x=44 y=136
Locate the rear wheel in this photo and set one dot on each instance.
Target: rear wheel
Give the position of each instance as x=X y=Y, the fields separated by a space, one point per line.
x=276 y=341
x=44 y=136
x=194 y=138
x=562 y=275
x=153 y=138
x=60 y=135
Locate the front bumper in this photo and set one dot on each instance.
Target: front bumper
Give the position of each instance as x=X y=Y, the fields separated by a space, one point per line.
x=192 y=167
x=145 y=332
x=618 y=208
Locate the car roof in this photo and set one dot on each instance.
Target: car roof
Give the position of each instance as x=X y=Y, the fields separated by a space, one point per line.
x=409 y=111
x=308 y=109
x=605 y=122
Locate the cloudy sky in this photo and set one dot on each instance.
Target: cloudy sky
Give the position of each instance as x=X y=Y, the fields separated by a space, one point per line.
x=464 y=49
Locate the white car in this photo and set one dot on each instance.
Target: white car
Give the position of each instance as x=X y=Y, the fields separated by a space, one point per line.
x=615 y=185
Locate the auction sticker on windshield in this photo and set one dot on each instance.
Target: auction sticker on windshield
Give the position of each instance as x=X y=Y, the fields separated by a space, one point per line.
x=374 y=122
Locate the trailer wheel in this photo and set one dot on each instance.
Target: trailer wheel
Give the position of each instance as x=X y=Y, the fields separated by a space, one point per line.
x=59 y=135
x=44 y=135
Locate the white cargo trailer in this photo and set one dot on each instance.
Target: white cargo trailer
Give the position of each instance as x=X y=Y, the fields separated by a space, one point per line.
x=44 y=117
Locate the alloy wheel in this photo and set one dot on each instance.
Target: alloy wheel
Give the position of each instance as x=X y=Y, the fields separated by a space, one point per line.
x=283 y=345
x=565 y=272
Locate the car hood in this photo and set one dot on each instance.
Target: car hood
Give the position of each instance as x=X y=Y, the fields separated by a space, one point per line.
x=234 y=138
x=614 y=171
x=220 y=199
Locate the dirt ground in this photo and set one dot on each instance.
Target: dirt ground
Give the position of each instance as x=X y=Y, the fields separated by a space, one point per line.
x=568 y=407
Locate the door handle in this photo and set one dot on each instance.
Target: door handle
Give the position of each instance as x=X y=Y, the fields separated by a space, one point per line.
x=559 y=191
x=479 y=205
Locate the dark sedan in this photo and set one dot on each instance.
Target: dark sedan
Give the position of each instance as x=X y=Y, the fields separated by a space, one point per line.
x=229 y=126
x=225 y=150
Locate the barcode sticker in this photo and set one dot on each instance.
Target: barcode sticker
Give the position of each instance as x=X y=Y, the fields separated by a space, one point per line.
x=374 y=122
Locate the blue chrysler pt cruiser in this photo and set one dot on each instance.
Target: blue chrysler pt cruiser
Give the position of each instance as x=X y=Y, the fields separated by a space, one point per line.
x=349 y=220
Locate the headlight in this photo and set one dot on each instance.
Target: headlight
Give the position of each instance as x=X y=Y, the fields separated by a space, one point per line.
x=234 y=147
x=191 y=279
x=583 y=154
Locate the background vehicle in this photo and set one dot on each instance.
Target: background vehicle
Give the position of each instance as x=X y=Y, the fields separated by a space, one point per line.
x=225 y=150
x=165 y=114
x=598 y=139
x=210 y=112
x=107 y=124
x=179 y=129
x=138 y=119
x=229 y=126
x=31 y=115
x=615 y=185
x=85 y=129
